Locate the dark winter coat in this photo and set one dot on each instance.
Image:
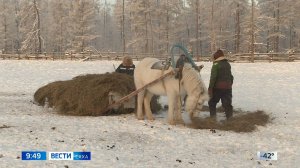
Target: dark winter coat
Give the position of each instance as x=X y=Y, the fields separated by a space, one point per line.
x=126 y=69
x=221 y=76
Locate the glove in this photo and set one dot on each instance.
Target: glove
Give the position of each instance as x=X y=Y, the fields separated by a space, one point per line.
x=210 y=92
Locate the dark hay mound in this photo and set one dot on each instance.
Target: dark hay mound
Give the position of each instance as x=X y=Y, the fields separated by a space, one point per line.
x=85 y=95
x=245 y=122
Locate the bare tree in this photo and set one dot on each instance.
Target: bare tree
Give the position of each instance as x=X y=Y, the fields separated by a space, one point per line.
x=197 y=29
x=212 y=32
x=32 y=29
x=17 y=45
x=59 y=31
x=4 y=22
x=252 y=30
x=82 y=15
x=237 y=28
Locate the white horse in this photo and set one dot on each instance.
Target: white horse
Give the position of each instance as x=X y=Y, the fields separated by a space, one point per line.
x=191 y=85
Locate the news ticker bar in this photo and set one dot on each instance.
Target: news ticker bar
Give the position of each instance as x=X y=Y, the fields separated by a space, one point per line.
x=42 y=155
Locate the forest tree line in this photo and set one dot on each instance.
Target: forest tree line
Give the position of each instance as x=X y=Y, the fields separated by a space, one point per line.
x=149 y=26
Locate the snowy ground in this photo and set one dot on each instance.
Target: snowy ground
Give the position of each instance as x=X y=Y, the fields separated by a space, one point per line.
x=123 y=141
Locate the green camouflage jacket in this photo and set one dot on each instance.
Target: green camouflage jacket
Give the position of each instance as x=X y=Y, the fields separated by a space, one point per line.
x=221 y=76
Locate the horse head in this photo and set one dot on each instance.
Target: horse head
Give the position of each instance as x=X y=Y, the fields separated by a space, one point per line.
x=195 y=89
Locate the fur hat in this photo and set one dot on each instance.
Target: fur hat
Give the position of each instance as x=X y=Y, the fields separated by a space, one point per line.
x=127 y=61
x=218 y=54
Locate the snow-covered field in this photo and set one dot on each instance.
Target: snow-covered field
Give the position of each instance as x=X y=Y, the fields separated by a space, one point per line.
x=123 y=141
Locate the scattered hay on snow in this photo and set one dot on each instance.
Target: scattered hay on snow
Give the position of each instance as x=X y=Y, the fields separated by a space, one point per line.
x=4 y=126
x=86 y=95
x=240 y=122
x=220 y=109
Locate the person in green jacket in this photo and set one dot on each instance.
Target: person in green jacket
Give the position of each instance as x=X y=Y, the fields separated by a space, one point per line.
x=220 y=85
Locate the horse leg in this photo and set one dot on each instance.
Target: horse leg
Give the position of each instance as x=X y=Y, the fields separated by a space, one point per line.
x=147 y=100
x=178 y=116
x=140 y=100
x=171 y=102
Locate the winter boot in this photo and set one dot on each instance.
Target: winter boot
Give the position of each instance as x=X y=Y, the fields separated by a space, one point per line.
x=213 y=113
x=228 y=112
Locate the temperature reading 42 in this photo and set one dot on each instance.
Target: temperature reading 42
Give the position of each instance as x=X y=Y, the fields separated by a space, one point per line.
x=267 y=155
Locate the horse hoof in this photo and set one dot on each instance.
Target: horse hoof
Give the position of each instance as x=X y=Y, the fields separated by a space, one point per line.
x=140 y=117
x=151 y=118
x=180 y=122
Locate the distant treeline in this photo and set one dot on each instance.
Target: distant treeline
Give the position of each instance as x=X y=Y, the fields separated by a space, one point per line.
x=149 y=26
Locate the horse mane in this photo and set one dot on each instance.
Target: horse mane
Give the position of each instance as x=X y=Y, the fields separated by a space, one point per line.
x=192 y=77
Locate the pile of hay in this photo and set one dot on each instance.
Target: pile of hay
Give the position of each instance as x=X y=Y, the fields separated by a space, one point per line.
x=86 y=95
x=240 y=122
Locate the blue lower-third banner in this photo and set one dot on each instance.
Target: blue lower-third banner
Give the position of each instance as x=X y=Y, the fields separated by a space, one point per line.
x=81 y=155
x=34 y=155
x=69 y=155
x=42 y=155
